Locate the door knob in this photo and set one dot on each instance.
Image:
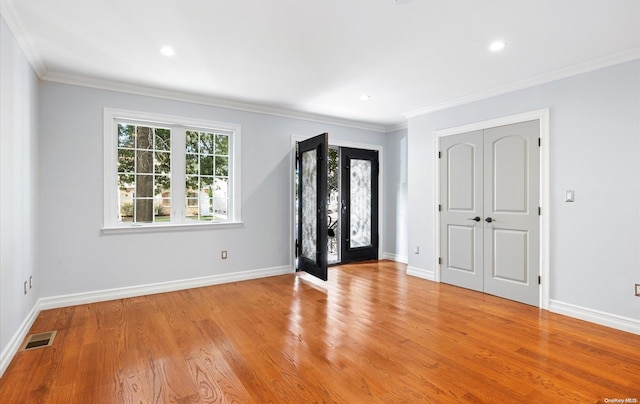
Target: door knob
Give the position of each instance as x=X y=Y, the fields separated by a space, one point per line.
x=475 y=219
x=488 y=220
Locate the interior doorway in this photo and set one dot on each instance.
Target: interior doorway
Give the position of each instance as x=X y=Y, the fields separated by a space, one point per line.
x=490 y=211
x=352 y=204
x=542 y=116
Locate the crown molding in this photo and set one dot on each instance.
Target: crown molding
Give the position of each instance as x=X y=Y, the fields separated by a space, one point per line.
x=398 y=126
x=562 y=73
x=174 y=95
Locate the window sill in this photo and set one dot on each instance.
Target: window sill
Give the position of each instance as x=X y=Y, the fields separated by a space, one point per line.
x=153 y=228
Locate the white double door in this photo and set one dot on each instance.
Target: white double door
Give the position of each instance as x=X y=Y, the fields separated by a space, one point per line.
x=489 y=218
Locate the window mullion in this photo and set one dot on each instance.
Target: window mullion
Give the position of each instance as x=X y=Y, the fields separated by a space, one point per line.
x=178 y=176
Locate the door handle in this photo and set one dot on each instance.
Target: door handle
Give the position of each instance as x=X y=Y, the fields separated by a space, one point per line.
x=489 y=220
x=475 y=219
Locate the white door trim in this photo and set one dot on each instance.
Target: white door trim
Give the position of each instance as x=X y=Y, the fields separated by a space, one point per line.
x=543 y=116
x=292 y=184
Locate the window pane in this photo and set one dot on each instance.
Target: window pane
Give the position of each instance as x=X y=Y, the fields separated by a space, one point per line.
x=192 y=202
x=222 y=145
x=191 y=184
x=126 y=183
x=192 y=199
x=162 y=186
x=192 y=205
x=206 y=182
x=126 y=136
x=143 y=210
x=125 y=210
x=220 y=198
x=144 y=161
x=360 y=203
x=162 y=163
x=162 y=210
x=206 y=143
x=205 y=201
x=163 y=139
x=206 y=165
x=126 y=161
x=309 y=204
x=192 y=164
x=220 y=208
x=221 y=187
x=144 y=137
x=222 y=166
x=192 y=142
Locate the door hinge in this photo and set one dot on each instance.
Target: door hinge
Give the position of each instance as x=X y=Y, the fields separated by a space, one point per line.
x=439 y=208
x=539 y=280
x=539 y=211
x=297 y=249
x=439 y=260
x=539 y=142
x=439 y=155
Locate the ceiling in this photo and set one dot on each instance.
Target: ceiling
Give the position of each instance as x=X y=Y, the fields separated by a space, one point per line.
x=317 y=58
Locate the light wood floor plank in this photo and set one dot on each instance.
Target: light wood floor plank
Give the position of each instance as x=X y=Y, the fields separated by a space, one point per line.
x=370 y=334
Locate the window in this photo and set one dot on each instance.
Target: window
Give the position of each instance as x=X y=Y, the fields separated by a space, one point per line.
x=207 y=175
x=163 y=171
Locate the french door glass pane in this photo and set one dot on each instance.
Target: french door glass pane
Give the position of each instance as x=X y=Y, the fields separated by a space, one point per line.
x=309 y=204
x=360 y=203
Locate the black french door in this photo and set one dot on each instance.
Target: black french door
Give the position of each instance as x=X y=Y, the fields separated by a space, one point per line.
x=359 y=204
x=311 y=241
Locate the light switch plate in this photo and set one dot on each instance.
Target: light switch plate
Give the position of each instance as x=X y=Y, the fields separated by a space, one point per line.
x=638 y=289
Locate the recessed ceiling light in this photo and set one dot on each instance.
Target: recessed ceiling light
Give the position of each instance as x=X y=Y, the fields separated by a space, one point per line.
x=399 y=2
x=167 y=51
x=497 y=46
x=365 y=97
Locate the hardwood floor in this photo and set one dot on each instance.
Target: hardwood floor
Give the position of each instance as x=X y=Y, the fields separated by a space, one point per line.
x=369 y=335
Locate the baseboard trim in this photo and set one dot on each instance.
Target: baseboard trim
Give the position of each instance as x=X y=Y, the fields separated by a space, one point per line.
x=75 y=299
x=421 y=273
x=595 y=316
x=395 y=257
x=161 y=287
x=14 y=344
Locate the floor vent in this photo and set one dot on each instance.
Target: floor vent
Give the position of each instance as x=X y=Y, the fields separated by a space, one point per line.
x=41 y=340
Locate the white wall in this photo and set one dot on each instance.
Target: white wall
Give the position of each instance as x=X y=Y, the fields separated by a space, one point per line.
x=18 y=191
x=395 y=196
x=594 y=150
x=76 y=258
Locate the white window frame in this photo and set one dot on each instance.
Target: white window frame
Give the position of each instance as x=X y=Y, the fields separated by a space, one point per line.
x=179 y=127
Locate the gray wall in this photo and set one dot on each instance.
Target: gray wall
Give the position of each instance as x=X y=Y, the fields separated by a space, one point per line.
x=595 y=150
x=18 y=191
x=76 y=258
x=395 y=196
